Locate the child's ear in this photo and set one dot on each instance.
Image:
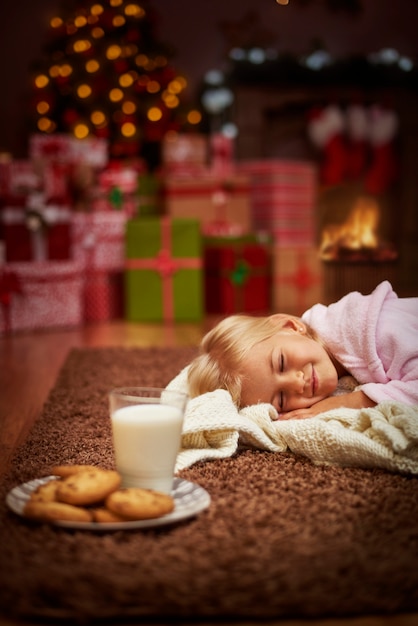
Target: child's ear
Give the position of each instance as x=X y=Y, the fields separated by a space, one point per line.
x=288 y=322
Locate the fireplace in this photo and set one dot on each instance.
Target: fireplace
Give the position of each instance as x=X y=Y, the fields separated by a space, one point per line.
x=357 y=241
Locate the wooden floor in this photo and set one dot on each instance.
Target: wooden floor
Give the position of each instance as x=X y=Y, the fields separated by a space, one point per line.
x=29 y=364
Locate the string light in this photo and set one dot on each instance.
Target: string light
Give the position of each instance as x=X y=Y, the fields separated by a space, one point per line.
x=97 y=32
x=194 y=117
x=98 y=118
x=96 y=9
x=116 y=99
x=129 y=107
x=92 y=66
x=115 y=94
x=42 y=107
x=154 y=114
x=133 y=10
x=56 y=22
x=41 y=81
x=83 y=91
x=81 y=131
x=128 y=129
x=118 y=21
x=113 y=52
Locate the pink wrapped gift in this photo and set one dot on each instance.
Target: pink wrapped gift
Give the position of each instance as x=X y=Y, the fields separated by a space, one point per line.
x=40 y=295
x=283 y=199
x=99 y=244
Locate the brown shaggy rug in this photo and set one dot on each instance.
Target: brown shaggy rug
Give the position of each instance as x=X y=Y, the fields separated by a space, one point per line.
x=281 y=538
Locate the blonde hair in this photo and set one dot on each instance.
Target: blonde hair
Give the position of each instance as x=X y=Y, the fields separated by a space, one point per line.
x=224 y=348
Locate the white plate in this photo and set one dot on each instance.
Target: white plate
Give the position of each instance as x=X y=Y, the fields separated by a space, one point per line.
x=189 y=499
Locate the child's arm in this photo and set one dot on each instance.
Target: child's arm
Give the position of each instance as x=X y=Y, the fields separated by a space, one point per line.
x=353 y=400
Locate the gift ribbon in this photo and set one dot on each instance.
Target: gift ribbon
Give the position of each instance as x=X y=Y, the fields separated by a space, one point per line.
x=166 y=265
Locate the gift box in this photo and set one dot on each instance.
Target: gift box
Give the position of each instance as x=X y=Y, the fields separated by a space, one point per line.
x=184 y=153
x=237 y=274
x=116 y=189
x=163 y=277
x=98 y=243
x=283 y=199
x=222 y=205
x=36 y=232
x=40 y=295
x=103 y=295
x=18 y=178
x=298 y=281
x=65 y=148
x=98 y=239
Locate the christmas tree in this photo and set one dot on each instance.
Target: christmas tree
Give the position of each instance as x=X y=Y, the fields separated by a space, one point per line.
x=104 y=74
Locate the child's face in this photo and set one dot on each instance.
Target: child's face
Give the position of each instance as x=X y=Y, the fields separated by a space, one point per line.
x=289 y=370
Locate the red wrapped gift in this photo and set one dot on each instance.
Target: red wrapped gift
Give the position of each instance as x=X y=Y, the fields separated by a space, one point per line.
x=37 y=234
x=43 y=295
x=18 y=178
x=103 y=296
x=237 y=274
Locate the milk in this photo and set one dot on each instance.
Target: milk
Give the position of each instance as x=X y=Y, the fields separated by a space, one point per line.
x=146 y=440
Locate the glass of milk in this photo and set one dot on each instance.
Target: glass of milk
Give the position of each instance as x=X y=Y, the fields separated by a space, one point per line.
x=146 y=427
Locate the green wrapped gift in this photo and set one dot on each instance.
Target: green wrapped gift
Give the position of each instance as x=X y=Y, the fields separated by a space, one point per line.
x=163 y=275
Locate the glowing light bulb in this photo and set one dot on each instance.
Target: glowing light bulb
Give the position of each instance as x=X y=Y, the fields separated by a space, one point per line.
x=41 y=81
x=96 y=9
x=115 y=94
x=125 y=80
x=56 y=22
x=81 y=45
x=194 y=117
x=98 y=118
x=54 y=71
x=174 y=86
x=81 y=130
x=128 y=129
x=113 y=52
x=84 y=91
x=118 y=20
x=42 y=107
x=128 y=107
x=66 y=70
x=46 y=125
x=97 y=32
x=153 y=86
x=80 y=21
x=92 y=66
x=171 y=101
x=154 y=114
x=134 y=10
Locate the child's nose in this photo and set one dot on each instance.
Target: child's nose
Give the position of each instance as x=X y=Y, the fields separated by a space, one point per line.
x=295 y=381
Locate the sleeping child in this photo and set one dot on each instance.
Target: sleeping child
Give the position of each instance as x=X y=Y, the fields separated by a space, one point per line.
x=298 y=365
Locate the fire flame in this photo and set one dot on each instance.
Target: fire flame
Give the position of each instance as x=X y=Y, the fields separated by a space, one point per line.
x=359 y=231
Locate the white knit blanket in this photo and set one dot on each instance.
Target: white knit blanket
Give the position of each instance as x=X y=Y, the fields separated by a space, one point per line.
x=385 y=436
